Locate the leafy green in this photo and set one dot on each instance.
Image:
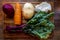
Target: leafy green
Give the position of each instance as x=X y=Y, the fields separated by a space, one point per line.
x=40 y=25
x=37 y=16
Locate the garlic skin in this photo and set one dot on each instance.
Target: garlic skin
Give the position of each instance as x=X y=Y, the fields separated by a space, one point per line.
x=44 y=6
x=28 y=10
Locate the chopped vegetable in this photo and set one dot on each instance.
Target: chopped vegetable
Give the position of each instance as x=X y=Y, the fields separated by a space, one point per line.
x=17 y=15
x=28 y=11
x=8 y=10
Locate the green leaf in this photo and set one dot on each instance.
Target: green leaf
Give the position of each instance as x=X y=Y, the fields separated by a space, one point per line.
x=40 y=25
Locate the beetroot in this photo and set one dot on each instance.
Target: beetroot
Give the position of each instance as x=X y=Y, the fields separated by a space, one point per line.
x=8 y=10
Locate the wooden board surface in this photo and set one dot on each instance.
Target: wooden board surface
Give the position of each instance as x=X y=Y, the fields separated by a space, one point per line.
x=55 y=36
x=21 y=36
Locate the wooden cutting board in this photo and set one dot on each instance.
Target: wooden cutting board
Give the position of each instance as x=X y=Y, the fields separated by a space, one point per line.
x=20 y=36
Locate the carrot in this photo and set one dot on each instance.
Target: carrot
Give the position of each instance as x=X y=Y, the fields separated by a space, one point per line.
x=17 y=15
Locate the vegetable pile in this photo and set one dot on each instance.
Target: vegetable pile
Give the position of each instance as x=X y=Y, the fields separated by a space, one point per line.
x=40 y=25
x=38 y=19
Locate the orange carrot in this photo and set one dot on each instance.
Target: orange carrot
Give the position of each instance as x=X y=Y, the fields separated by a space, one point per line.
x=17 y=15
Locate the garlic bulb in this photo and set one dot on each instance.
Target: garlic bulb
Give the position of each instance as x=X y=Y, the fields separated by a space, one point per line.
x=44 y=6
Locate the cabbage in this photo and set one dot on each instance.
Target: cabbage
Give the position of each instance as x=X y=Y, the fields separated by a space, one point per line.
x=8 y=10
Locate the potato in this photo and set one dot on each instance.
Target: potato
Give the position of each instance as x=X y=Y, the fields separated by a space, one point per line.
x=28 y=10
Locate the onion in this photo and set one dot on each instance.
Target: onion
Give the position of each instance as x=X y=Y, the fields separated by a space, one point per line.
x=28 y=10
x=8 y=10
x=17 y=28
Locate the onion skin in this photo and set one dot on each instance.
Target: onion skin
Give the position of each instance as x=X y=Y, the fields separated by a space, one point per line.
x=8 y=10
